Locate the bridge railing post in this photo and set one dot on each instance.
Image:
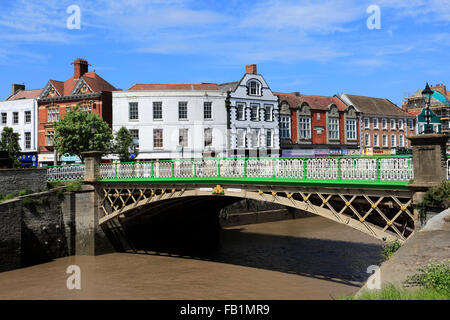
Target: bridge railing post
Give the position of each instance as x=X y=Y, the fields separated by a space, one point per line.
x=92 y=165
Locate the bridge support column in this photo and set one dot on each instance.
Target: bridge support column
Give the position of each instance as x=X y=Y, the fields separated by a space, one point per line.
x=430 y=165
x=89 y=238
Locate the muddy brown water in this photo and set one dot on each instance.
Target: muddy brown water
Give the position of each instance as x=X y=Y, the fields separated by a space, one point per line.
x=308 y=258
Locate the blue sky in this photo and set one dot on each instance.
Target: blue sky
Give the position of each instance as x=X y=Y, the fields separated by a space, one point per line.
x=319 y=47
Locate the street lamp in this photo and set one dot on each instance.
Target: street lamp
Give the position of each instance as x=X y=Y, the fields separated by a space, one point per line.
x=426 y=94
x=93 y=131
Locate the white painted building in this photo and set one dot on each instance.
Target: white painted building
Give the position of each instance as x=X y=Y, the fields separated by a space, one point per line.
x=19 y=112
x=253 y=116
x=173 y=120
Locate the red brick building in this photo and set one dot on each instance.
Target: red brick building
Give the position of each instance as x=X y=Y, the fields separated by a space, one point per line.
x=84 y=89
x=320 y=126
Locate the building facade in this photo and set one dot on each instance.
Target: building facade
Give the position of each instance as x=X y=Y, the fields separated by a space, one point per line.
x=84 y=90
x=317 y=126
x=439 y=104
x=252 y=116
x=19 y=112
x=171 y=121
x=383 y=126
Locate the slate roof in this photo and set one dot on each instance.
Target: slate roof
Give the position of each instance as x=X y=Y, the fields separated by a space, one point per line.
x=376 y=106
x=172 y=86
x=25 y=94
x=229 y=86
x=314 y=102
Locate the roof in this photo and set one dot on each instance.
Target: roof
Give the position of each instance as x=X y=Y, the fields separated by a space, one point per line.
x=414 y=113
x=93 y=80
x=314 y=102
x=376 y=106
x=229 y=86
x=25 y=94
x=172 y=86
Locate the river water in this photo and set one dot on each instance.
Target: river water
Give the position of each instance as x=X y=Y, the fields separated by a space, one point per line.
x=307 y=258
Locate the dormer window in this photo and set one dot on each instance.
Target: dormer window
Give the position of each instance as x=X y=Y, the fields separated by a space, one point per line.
x=254 y=88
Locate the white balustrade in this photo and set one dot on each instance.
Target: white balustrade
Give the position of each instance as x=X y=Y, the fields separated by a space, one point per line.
x=322 y=168
x=65 y=173
x=289 y=168
x=184 y=169
x=232 y=168
x=364 y=169
x=207 y=168
x=162 y=169
x=260 y=168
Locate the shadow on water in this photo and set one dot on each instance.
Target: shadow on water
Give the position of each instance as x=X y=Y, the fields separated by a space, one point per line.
x=200 y=236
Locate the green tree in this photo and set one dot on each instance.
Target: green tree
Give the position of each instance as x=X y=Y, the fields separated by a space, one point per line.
x=73 y=134
x=123 y=143
x=10 y=142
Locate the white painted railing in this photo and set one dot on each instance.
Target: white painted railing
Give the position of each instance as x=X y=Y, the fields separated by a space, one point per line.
x=65 y=173
x=355 y=169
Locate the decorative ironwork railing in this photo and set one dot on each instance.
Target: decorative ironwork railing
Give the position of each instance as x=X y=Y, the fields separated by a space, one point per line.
x=350 y=169
x=308 y=169
x=66 y=173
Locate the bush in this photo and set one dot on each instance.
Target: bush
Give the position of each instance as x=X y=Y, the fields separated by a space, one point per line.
x=390 y=248
x=434 y=197
x=74 y=186
x=433 y=276
x=25 y=192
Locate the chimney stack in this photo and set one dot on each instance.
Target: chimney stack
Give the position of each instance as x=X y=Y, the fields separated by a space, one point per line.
x=17 y=87
x=81 y=66
x=251 y=68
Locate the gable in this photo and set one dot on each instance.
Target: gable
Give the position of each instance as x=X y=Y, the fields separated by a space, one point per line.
x=241 y=91
x=81 y=88
x=51 y=90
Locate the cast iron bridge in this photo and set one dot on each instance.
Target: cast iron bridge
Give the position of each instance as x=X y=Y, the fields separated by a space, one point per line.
x=369 y=194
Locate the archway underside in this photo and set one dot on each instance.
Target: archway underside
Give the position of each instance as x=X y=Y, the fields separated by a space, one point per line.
x=383 y=214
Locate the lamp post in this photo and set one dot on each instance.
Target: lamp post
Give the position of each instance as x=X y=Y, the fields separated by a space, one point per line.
x=93 y=131
x=426 y=94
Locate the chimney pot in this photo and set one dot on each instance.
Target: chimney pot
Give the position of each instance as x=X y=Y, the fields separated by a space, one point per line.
x=251 y=68
x=81 y=66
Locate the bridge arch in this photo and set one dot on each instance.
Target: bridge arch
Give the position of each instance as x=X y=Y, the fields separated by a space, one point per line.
x=385 y=215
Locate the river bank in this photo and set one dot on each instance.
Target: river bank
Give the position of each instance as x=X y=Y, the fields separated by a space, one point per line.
x=431 y=244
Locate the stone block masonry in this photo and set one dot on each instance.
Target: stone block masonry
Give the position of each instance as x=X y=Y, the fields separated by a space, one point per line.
x=14 y=180
x=40 y=227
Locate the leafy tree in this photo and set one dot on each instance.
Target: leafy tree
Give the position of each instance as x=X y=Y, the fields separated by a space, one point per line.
x=10 y=142
x=123 y=143
x=73 y=133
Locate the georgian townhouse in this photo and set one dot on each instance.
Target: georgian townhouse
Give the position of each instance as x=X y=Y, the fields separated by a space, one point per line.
x=19 y=112
x=87 y=90
x=171 y=121
x=252 y=113
x=384 y=126
x=317 y=126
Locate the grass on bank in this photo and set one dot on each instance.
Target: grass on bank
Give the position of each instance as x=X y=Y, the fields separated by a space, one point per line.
x=429 y=283
x=390 y=248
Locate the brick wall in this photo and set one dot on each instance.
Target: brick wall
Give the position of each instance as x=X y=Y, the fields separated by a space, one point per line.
x=14 y=180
